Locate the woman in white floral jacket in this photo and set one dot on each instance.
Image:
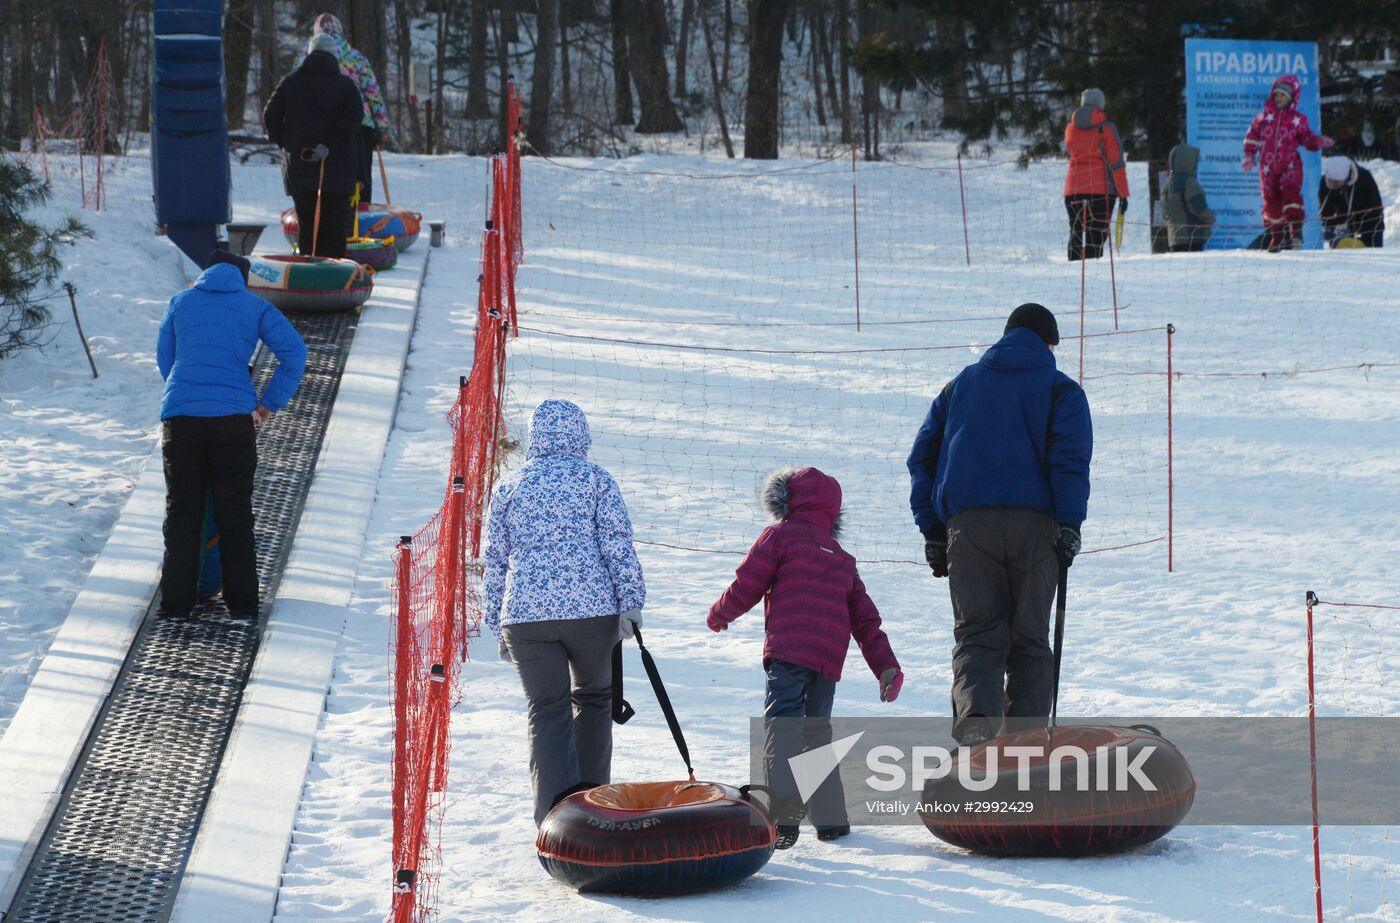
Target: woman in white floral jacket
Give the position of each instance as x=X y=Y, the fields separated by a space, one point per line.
x=562 y=579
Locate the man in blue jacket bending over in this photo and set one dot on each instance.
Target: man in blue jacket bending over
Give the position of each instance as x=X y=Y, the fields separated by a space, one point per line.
x=209 y=414
x=1000 y=472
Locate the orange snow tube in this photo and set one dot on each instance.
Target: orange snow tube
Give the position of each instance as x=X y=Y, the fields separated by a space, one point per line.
x=655 y=838
x=1051 y=816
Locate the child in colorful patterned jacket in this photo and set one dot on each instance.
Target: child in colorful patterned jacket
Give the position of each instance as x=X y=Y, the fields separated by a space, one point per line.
x=813 y=604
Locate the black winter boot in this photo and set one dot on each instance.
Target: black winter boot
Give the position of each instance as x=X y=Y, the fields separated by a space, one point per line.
x=787 y=836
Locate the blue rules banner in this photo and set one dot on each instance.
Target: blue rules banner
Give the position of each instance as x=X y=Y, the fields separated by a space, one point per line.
x=1227 y=83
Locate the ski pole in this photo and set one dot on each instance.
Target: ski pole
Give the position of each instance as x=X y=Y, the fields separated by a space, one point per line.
x=1059 y=643
x=383 y=177
x=316 y=226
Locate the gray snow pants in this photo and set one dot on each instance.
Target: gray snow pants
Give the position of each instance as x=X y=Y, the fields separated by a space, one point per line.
x=1002 y=572
x=570 y=723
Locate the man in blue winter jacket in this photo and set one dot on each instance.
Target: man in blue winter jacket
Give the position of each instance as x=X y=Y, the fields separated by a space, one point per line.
x=209 y=415
x=1000 y=474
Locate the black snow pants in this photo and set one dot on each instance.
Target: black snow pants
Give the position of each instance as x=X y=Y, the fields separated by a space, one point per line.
x=1089 y=215
x=202 y=453
x=1002 y=572
x=335 y=210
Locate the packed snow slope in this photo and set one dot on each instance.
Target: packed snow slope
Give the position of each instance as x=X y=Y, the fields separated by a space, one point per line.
x=1283 y=482
x=1285 y=477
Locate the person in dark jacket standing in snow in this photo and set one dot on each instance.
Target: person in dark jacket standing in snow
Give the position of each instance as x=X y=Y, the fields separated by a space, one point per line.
x=562 y=580
x=1000 y=488
x=1097 y=175
x=1189 y=218
x=813 y=604
x=1349 y=203
x=375 y=127
x=313 y=116
x=209 y=413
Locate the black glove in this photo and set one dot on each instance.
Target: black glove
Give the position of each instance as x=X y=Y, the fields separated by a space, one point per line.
x=320 y=152
x=1122 y=206
x=936 y=552
x=1067 y=544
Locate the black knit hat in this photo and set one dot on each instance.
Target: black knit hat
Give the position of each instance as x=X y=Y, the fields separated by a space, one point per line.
x=233 y=259
x=1038 y=318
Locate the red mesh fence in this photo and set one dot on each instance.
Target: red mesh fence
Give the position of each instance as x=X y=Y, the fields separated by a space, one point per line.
x=87 y=132
x=436 y=610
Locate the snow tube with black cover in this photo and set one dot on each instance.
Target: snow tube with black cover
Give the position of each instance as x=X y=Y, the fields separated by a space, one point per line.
x=380 y=221
x=303 y=283
x=1010 y=820
x=655 y=838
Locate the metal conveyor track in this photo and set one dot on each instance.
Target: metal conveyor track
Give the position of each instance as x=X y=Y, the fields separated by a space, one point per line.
x=119 y=840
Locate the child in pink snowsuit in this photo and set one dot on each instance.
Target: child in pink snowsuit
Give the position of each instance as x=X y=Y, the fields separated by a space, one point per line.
x=813 y=604
x=1273 y=139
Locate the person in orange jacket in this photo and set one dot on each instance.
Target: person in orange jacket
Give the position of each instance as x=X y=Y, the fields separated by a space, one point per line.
x=1096 y=176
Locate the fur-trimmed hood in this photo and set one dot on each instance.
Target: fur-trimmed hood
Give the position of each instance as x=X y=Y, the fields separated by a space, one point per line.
x=804 y=493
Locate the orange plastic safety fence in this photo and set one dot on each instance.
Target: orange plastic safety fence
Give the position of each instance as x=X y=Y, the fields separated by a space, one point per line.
x=435 y=606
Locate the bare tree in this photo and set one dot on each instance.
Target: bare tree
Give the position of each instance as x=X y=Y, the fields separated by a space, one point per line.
x=267 y=32
x=952 y=41
x=843 y=43
x=622 y=73
x=646 y=46
x=683 y=47
x=765 y=67
x=10 y=131
x=503 y=66
x=238 y=52
x=542 y=81
x=407 y=101
x=715 y=85
x=478 y=105
x=367 y=35
x=728 y=36
x=439 y=78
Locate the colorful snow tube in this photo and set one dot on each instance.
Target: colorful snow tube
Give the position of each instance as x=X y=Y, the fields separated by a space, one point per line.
x=379 y=221
x=655 y=838
x=304 y=283
x=378 y=254
x=1051 y=816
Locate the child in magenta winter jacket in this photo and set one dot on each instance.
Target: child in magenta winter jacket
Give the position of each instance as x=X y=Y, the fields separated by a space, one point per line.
x=813 y=604
x=1273 y=140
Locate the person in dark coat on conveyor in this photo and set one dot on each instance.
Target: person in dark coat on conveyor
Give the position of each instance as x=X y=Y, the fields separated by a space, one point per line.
x=313 y=116
x=209 y=415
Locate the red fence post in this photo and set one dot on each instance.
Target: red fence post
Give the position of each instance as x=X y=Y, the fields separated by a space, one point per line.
x=962 y=196
x=1171 y=483
x=855 y=232
x=405 y=863
x=1083 y=282
x=1112 y=274
x=1312 y=759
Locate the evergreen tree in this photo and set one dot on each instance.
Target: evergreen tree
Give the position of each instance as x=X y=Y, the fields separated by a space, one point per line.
x=28 y=257
x=1017 y=68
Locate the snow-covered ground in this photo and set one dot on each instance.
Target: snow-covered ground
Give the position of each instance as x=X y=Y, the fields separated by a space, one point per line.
x=1286 y=479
